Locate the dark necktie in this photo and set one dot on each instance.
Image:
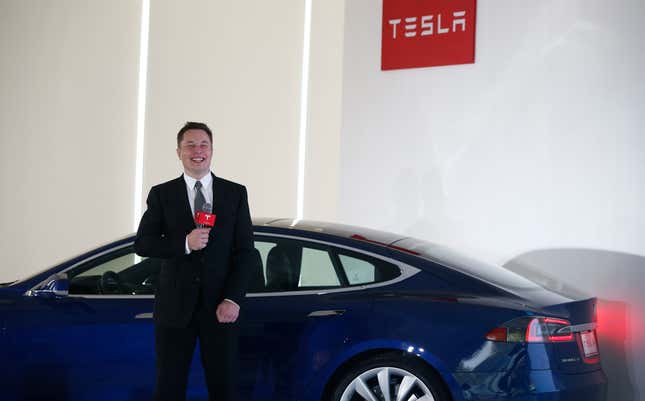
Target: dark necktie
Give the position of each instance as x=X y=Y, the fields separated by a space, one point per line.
x=199 y=197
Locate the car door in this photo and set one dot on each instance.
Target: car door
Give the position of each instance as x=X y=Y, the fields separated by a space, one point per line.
x=97 y=343
x=303 y=309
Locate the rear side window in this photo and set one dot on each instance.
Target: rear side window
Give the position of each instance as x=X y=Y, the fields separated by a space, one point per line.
x=317 y=269
x=293 y=265
x=360 y=269
x=297 y=265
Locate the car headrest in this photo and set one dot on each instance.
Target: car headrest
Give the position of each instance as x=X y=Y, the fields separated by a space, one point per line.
x=281 y=273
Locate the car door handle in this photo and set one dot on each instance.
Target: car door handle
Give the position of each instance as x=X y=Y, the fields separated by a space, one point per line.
x=319 y=313
x=143 y=316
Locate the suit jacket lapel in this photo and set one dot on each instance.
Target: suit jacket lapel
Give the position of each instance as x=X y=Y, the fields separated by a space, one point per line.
x=220 y=196
x=182 y=201
x=216 y=191
x=219 y=199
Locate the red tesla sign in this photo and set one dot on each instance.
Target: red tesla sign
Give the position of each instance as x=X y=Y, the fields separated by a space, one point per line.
x=425 y=33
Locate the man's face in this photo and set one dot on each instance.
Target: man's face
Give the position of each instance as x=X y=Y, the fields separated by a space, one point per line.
x=195 y=151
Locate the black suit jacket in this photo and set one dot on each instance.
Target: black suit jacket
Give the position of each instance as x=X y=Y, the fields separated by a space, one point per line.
x=219 y=271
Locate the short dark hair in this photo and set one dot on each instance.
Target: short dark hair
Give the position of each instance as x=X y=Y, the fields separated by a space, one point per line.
x=194 y=125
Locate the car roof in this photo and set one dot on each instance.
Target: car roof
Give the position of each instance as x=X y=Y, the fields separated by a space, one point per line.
x=433 y=252
x=376 y=237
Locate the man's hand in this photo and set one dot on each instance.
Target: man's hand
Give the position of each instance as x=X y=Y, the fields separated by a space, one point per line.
x=227 y=312
x=198 y=238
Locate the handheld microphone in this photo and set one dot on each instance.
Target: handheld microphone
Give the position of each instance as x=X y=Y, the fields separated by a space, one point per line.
x=205 y=218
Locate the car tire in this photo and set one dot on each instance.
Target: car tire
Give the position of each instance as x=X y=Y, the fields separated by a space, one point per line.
x=393 y=373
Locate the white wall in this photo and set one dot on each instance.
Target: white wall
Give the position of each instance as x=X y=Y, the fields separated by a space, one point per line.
x=68 y=79
x=235 y=66
x=536 y=146
x=238 y=67
x=322 y=167
x=68 y=112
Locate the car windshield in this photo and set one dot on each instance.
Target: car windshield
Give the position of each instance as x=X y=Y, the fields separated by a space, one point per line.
x=489 y=273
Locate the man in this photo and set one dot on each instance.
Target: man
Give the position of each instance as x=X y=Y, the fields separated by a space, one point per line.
x=203 y=272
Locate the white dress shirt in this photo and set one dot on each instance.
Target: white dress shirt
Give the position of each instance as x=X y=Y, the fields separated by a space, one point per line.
x=207 y=189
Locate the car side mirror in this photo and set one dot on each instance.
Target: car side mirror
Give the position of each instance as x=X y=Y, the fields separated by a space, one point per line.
x=55 y=286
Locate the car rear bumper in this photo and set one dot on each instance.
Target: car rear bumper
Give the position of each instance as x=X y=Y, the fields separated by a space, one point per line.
x=534 y=385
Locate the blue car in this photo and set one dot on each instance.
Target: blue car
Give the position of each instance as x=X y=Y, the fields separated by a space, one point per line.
x=333 y=313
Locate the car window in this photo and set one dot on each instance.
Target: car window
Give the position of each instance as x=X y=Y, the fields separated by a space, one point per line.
x=358 y=271
x=119 y=273
x=117 y=264
x=317 y=269
x=264 y=248
x=292 y=265
x=364 y=269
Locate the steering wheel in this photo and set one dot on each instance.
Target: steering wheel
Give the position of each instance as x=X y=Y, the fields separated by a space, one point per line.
x=110 y=283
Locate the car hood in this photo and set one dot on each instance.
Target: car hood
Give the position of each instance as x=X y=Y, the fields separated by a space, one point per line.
x=10 y=292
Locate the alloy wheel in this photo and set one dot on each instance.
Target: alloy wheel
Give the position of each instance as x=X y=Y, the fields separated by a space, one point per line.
x=387 y=384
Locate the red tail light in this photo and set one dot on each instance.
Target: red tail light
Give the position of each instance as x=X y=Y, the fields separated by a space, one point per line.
x=532 y=330
x=545 y=330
